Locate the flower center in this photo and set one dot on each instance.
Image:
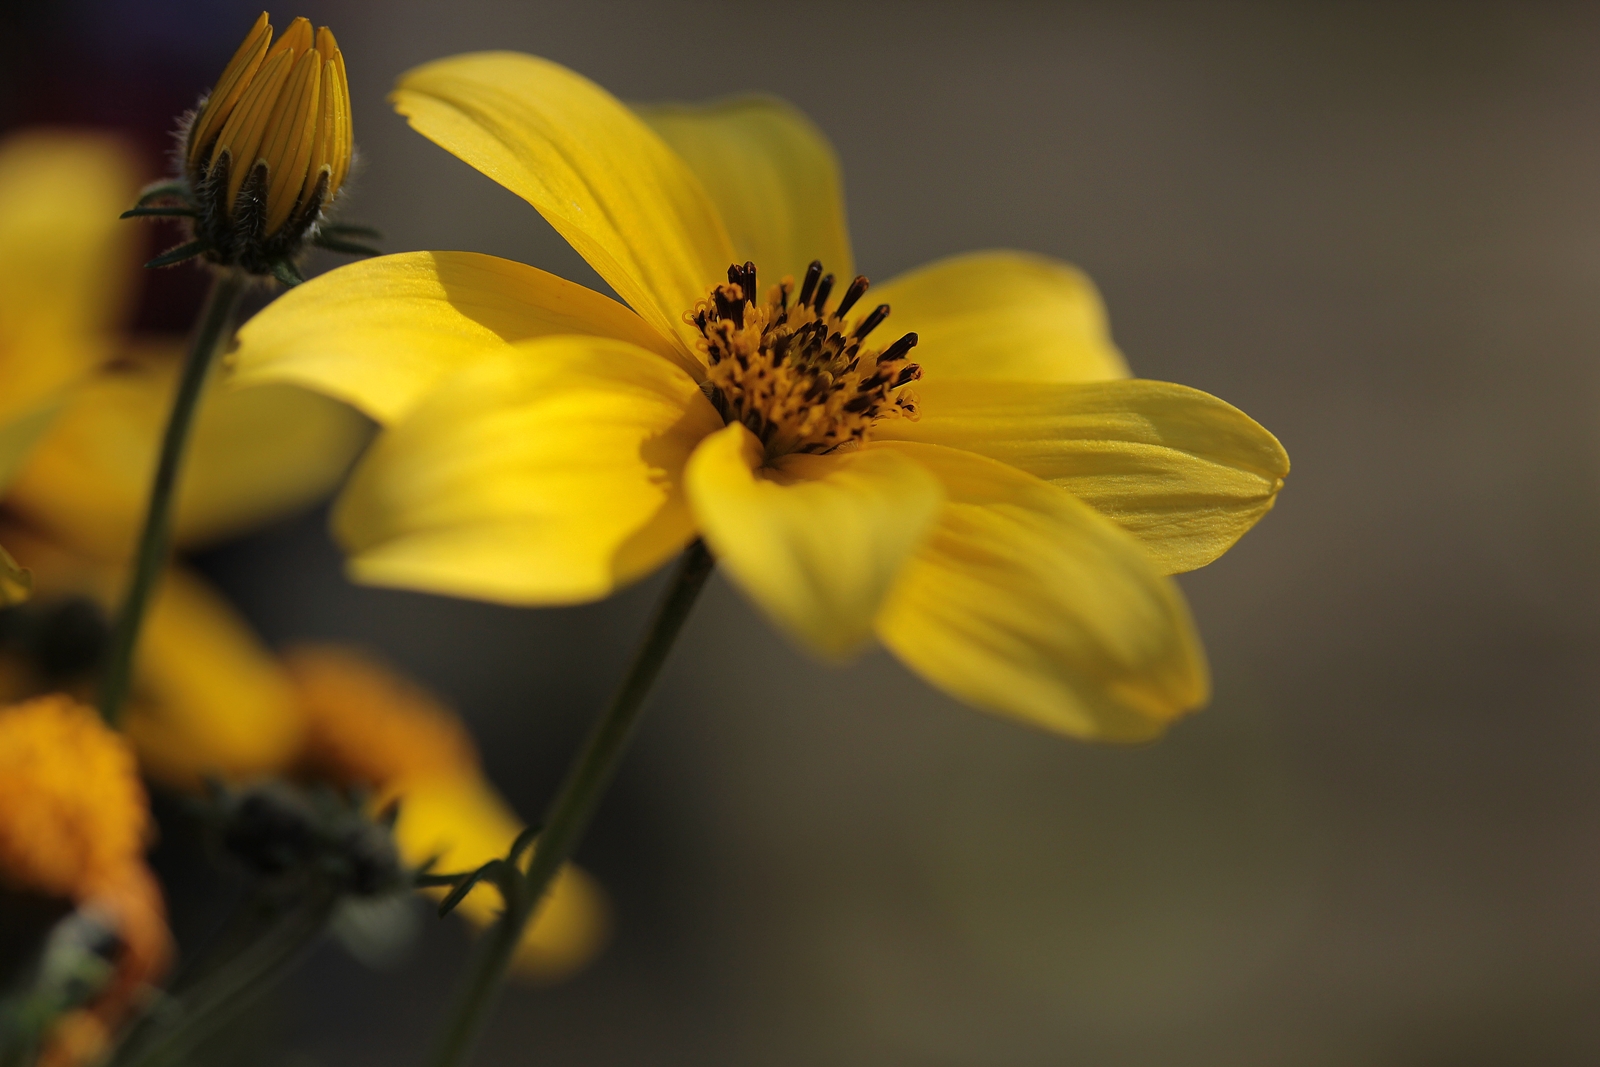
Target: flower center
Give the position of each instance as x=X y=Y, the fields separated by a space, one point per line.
x=795 y=373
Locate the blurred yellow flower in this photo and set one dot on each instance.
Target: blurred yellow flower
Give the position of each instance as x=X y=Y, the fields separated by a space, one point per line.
x=209 y=698
x=368 y=726
x=1001 y=513
x=74 y=822
x=64 y=266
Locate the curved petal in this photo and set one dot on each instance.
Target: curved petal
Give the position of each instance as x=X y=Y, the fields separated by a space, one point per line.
x=772 y=175
x=1006 y=315
x=381 y=332
x=549 y=475
x=257 y=454
x=463 y=823
x=65 y=262
x=1028 y=603
x=816 y=541
x=591 y=167
x=209 y=699
x=1185 y=473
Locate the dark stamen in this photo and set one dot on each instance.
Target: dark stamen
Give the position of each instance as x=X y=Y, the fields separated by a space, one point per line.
x=871 y=322
x=749 y=281
x=899 y=349
x=820 y=301
x=808 y=286
x=851 y=295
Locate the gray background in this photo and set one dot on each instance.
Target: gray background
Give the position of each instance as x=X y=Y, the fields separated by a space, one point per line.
x=1376 y=228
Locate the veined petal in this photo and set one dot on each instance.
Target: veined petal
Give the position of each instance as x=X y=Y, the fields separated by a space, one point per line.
x=462 y=823
x=65 y=263
x=379 y=333
x=547 y=475
x=1028 y=603
x=592 y=168
x=772 y=175
x=1005 y=315
x=1185 y=473
x=816 y=541
x=257 y=454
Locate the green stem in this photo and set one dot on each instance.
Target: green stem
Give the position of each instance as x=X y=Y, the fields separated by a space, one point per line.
x=572 y=809
x=228 y=990
x=156 y=537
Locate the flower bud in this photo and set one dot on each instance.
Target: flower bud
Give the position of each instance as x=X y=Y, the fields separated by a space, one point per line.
x=264 y=155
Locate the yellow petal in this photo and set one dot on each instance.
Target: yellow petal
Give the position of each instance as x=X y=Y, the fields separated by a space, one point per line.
x=65 y=265
x=1028 y=603
x=816 y=541
x=379 y=333
x=16 y=581
x=256 y=455
x=1006 y=315
x=462 y=823
x=591 y=167
x=547 y=475
x=1185 y=473
x=772 y=175
x=209 y=699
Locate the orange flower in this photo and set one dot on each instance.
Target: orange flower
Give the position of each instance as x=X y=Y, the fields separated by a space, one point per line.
x=74 y=822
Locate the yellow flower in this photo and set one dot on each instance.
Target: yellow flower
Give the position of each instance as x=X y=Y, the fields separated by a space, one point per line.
x=265 y=153
x=64 y=263
x=74 y=822
x=366 y=725
x=210 y=700
x=1004 y=525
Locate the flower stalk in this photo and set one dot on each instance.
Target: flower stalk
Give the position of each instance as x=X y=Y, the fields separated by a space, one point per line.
x=591 y=772
x=155 y=538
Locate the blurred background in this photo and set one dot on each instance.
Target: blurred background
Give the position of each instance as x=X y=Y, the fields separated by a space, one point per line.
x=1373 y=226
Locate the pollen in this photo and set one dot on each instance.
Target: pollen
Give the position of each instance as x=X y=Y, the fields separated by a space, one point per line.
x=270 y=146
x=800 y=377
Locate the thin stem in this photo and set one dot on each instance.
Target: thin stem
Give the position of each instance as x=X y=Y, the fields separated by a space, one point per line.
x=572 y=809
x=227 y=990
x=155 y=538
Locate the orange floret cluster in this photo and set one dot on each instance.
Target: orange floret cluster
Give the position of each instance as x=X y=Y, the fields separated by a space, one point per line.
x=74 y=823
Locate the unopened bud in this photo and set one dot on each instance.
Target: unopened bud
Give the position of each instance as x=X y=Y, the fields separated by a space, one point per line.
x=264 y=156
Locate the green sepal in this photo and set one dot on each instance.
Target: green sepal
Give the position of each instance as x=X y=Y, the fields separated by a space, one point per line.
x=350 y=229
x=284 y=271
x=505 y=877
x=524 y=839
x=158 y=212
x=179 y=254
x=161 y=190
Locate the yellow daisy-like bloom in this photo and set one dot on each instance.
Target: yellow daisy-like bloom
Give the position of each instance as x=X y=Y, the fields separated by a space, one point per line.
x=548 y=445
x=989 y=494
x=74 y=822
x=63 y=257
